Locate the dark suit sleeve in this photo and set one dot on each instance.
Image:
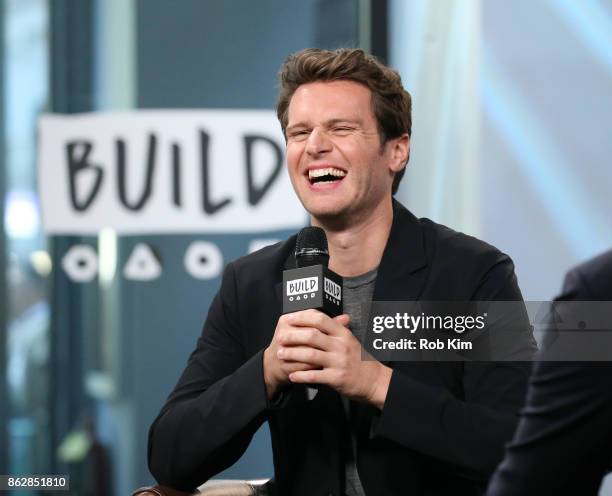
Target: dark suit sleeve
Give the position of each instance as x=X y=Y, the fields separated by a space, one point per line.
x=562 y=443
x=217 y=405
x=575 y=287
x=468 y=433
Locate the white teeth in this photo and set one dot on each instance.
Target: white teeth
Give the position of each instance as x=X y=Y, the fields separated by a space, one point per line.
x=330 y=171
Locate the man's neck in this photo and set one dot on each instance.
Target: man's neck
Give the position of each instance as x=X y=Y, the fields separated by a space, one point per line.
x=358 y=248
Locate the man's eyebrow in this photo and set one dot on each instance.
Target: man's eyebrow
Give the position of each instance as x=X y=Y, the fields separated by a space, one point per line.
x=296 y=126
x=348 y=120
x=328 y=123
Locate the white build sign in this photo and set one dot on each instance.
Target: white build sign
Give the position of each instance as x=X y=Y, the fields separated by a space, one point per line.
x=156 y=172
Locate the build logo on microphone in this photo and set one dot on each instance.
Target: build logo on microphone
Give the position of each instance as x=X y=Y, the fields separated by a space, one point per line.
x=312 y=287
x=332 y=290
x=303 y=288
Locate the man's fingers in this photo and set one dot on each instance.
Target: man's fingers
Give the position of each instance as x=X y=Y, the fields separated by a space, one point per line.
x=310 y=377
x=304 y=354
x=307 y=336
x=315 y=318
x=289 y=367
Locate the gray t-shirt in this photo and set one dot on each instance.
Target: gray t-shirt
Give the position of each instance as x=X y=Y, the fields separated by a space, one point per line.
x=357 y=291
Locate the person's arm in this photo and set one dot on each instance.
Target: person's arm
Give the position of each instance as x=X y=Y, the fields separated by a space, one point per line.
x=468 y=433
x=217 y=405
x=562 y=443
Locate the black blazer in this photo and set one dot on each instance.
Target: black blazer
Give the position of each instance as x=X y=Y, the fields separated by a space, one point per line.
x=563 y=444
x=443 y=425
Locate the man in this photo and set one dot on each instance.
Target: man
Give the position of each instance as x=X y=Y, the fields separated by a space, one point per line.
x=563 y=444
x=373 y=428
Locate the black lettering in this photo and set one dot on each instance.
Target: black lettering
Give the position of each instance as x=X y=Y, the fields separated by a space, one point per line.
x=208 y=206
x=121 y=173
x=255 y=194
x=176 y=175
x=76 y=165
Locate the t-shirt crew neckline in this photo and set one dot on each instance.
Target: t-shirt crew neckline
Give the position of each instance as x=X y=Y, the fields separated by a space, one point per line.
x=353 y=282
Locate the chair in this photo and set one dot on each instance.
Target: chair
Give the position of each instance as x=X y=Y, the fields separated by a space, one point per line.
x=217 y=487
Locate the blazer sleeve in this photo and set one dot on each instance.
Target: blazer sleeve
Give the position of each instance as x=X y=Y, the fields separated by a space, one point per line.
x=216 y=407
x=562 y=443
x=468 y=433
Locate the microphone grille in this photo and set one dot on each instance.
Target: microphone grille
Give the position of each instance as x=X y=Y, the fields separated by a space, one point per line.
x=311 y=247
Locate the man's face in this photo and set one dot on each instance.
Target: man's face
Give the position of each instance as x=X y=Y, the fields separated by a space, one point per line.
x=334 y=155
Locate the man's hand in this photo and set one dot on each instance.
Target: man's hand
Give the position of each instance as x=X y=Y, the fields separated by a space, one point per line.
x=316 y=349
x=277 y=370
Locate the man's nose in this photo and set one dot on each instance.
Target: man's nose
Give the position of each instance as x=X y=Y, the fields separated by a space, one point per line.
x=318 y=142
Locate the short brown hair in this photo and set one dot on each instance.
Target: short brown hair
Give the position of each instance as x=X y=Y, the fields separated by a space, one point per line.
x=391 y=103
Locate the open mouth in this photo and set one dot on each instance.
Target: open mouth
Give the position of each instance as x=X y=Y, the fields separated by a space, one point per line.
x=327 y=175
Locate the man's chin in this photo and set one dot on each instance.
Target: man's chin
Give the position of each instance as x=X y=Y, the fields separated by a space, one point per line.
x=324 y=209
x=331 y=216
x=331 y=211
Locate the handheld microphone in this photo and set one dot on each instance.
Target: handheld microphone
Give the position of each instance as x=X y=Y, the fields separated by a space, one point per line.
x=312 y=284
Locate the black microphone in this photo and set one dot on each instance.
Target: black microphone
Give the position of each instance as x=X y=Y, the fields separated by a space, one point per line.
x=312 y=284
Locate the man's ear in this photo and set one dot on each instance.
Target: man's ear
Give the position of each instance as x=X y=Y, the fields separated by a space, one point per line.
x=400 y=152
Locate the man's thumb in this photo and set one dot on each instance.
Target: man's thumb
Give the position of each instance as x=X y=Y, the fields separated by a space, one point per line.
x=343 y=319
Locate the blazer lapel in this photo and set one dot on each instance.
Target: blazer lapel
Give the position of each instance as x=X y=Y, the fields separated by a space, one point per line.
x=399 y=276
x=288 y=264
